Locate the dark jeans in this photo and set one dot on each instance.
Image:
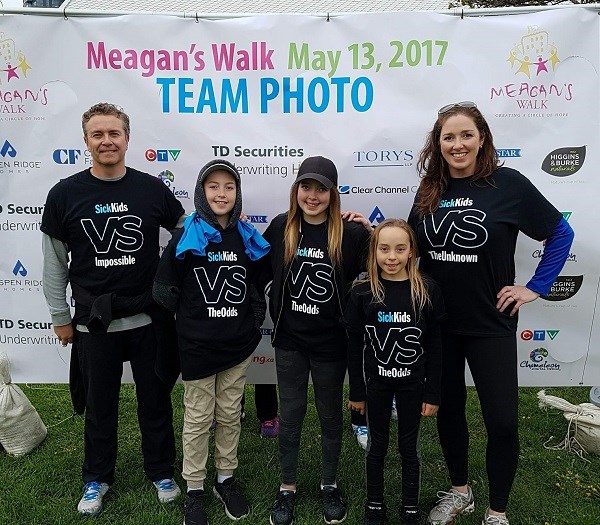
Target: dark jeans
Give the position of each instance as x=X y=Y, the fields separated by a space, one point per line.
x=493 y=365
x=409 y=398
x=265 y=400
x=293 y=369
x=101 y=358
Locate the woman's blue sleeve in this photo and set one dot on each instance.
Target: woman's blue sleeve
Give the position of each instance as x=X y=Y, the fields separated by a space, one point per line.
x=556 y=251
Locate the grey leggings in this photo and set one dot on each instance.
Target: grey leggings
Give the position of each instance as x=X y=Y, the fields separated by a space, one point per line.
x=293 y=368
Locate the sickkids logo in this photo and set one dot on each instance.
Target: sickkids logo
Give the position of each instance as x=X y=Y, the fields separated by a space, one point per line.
x=538 y=361
x=18 y=96
x=71 y=156
x=563 y=162
x=162 y=155
x=533 y=59
x=538 y=335
x=168 y=179
x=10 y=163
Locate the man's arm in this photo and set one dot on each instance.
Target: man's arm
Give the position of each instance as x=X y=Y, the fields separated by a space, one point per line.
x=55 y=278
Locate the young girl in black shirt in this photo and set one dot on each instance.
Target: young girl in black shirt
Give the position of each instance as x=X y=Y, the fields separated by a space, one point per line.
x=394 y=350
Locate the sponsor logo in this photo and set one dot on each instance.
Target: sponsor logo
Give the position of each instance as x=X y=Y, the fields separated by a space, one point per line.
x=113 y=207
x=539 y=335
x=267 y=170
x=258 y=219
x=564 y=162
x=537 y=254
x=65 y=156
x=564 y=288
x=383 y=158
x=19 y=95
x=315 y=253
x=262 y=359
x=376 y=216
x=266 y=331
x=15 y=209
x=221 y=256
x=538 y=361
x=19 y=269
x=162 y=155
x=393 y=317
x=508 y=152
x=347 y=190
x=241 y=151
x=11 y=164
x=168 y=178
x=23 y=324
x=533 y=58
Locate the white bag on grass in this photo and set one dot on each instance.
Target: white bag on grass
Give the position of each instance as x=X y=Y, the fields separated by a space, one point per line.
x=21 y=428
x=583 y=431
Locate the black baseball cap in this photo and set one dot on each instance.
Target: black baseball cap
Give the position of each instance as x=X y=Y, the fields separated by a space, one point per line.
x=320 y=169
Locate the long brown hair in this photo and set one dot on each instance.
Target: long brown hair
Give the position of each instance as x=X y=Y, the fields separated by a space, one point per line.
x=433 y=168
x=418 y=291
x=335 y=227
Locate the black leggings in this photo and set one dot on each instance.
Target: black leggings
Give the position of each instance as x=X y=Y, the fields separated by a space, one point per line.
x=493 y=365
x=409 y=398
x=293 y=369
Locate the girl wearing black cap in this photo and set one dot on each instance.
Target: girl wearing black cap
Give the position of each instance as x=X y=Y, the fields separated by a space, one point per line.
x=315 y=257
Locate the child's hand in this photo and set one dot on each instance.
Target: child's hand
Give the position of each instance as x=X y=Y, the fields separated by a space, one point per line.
x=358 y=406
x=429 y=410
x=354 y=216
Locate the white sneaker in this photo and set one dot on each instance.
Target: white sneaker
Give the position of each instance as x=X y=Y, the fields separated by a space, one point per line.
x=362 y=434
x=488 y=519
x=450 y=505
x=394 y=410
x=90 y=503
x=167 y=490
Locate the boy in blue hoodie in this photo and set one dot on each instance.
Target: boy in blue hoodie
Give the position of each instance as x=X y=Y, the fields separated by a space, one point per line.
x=205 y=276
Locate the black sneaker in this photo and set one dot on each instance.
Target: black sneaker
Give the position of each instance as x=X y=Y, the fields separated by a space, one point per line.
x=229 y=493
x=409 y=515
x=374 y=513
x=334 y=508
x=194 y=508
x=282 y=512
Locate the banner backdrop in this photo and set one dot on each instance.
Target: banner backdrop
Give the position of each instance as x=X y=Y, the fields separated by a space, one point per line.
x=266 y=92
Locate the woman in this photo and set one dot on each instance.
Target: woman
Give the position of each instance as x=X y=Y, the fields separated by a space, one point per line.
x=467 y=214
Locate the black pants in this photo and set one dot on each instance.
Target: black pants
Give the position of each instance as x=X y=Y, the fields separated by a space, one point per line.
x=493 y=365
x=101 y=358
x=293 y=369
x=265 y=400
x=409 y=398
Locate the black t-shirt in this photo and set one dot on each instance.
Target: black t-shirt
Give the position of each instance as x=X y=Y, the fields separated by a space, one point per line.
x=468 y=245
x=215 y=322
x=111 y=229
x=310 y=317
x=392 y=342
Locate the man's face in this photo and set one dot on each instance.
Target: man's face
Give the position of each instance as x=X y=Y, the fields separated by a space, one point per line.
x=106 y=140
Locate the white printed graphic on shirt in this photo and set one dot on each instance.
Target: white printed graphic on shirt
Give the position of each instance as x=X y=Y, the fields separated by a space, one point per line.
x=229 y=285
x=401 y=345
x=119 y=233
x=461 y=228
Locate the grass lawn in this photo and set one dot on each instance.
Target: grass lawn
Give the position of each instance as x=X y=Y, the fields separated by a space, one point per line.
x=552 y=487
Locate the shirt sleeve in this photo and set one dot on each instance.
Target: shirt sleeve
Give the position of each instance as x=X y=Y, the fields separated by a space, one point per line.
x=433 y=347
x=556 y=251
x=169 y=276
x=353 y=320
x=55 y=277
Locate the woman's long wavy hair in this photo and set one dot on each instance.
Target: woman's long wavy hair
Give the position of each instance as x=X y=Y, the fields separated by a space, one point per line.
x=433 y=168
x=335 y=227
x=418 y=291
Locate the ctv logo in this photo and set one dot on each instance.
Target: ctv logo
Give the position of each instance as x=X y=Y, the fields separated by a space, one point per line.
x=538 y=335
x=162 y=155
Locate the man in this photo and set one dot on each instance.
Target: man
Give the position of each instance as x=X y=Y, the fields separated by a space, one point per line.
x=101 y=234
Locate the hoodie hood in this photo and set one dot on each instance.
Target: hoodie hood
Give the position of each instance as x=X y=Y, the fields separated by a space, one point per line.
x=201 y=203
